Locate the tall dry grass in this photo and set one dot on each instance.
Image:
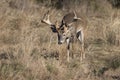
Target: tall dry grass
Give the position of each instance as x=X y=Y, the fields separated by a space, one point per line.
x=29 y=50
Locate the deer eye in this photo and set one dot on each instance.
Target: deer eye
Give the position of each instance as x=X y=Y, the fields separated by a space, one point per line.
x=63 y=34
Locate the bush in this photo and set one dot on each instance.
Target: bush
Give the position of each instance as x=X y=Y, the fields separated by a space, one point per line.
x=113 y=62
x=115 y=3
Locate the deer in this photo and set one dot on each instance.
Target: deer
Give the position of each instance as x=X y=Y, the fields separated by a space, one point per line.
x=69 y=28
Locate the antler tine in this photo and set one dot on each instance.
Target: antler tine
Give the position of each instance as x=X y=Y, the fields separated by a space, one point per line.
x=48 y=18
x=75 y=17
x=45 y=14
x=75 y=14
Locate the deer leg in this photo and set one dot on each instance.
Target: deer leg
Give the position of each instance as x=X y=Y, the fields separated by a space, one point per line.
x=80 y=37
x=68 y=49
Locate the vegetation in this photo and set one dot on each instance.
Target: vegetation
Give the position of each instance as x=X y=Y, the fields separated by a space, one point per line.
x=29 y=50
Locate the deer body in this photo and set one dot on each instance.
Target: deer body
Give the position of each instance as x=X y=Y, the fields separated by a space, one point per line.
x=70 y=28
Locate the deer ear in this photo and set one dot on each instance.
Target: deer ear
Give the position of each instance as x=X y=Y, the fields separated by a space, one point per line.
x=54 y=29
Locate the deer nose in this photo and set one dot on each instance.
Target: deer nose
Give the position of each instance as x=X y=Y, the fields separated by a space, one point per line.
x=59 y=42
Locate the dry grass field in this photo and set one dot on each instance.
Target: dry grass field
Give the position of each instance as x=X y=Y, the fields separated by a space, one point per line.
x=29 y=49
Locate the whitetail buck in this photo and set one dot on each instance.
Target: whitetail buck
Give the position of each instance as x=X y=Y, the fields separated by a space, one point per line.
x=70 y=28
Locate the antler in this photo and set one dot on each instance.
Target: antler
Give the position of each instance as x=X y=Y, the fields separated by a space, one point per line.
x=70 y=18
x=75 y=17
x=46 y=19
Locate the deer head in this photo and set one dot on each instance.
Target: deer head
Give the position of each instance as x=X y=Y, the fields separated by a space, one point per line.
x=64 y=29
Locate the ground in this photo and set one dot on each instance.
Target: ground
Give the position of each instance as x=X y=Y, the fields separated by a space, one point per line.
x=29 y=49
